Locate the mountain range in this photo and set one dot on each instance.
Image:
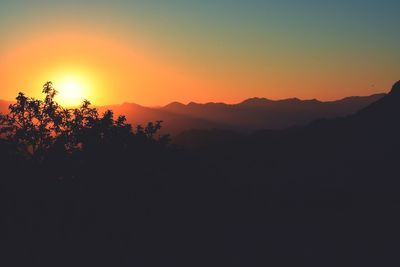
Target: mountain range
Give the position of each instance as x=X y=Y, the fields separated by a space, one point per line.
x=245 y=117
x=362 y=121
x=358 y=152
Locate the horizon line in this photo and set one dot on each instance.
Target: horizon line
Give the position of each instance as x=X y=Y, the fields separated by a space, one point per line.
x=221 y=102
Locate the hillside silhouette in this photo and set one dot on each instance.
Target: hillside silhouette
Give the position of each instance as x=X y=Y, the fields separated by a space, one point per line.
x=81 y=187
x=245 y=117
x=261 y=113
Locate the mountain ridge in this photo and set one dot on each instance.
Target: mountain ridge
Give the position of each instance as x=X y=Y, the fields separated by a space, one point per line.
x=247 y=116
x=267 y=100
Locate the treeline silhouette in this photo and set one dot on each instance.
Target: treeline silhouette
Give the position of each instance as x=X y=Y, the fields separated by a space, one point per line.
x=65 y=174
x=42 y=131
x=79 y=188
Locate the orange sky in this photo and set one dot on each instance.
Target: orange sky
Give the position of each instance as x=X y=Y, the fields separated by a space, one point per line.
x=113 y=71
x=110 y=71
x=111 y=55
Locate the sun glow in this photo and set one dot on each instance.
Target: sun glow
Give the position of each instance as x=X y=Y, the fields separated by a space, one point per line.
x=72 y=90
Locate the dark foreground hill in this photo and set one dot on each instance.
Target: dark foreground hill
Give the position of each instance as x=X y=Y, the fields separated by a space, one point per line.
x=325 y=194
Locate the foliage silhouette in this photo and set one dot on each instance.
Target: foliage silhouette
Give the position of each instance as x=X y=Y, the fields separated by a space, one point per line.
x=39 y=128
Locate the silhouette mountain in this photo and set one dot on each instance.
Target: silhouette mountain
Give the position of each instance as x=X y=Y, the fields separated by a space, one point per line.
x=245 y=117
x=261 y=113
x=388 y=106
x=377 y=123
x=334 y=180
x=370 y=133
x=374 y=124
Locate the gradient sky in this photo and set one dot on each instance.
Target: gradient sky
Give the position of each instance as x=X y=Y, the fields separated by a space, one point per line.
x=153 y=52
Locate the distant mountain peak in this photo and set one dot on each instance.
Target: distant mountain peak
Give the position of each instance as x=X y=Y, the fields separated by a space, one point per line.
x=386 y=107
x=395 y=89
x=192 y=104
x=175 y=105
x=255 y=101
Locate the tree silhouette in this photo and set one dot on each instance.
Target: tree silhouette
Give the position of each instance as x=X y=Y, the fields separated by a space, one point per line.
x=40 y=127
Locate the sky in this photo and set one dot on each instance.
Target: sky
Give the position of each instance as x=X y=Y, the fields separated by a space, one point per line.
x=153 y=52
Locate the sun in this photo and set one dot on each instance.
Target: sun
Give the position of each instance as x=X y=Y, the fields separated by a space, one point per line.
x=72 y=90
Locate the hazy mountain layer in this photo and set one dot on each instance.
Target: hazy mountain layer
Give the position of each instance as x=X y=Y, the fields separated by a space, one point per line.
x=248 y=116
